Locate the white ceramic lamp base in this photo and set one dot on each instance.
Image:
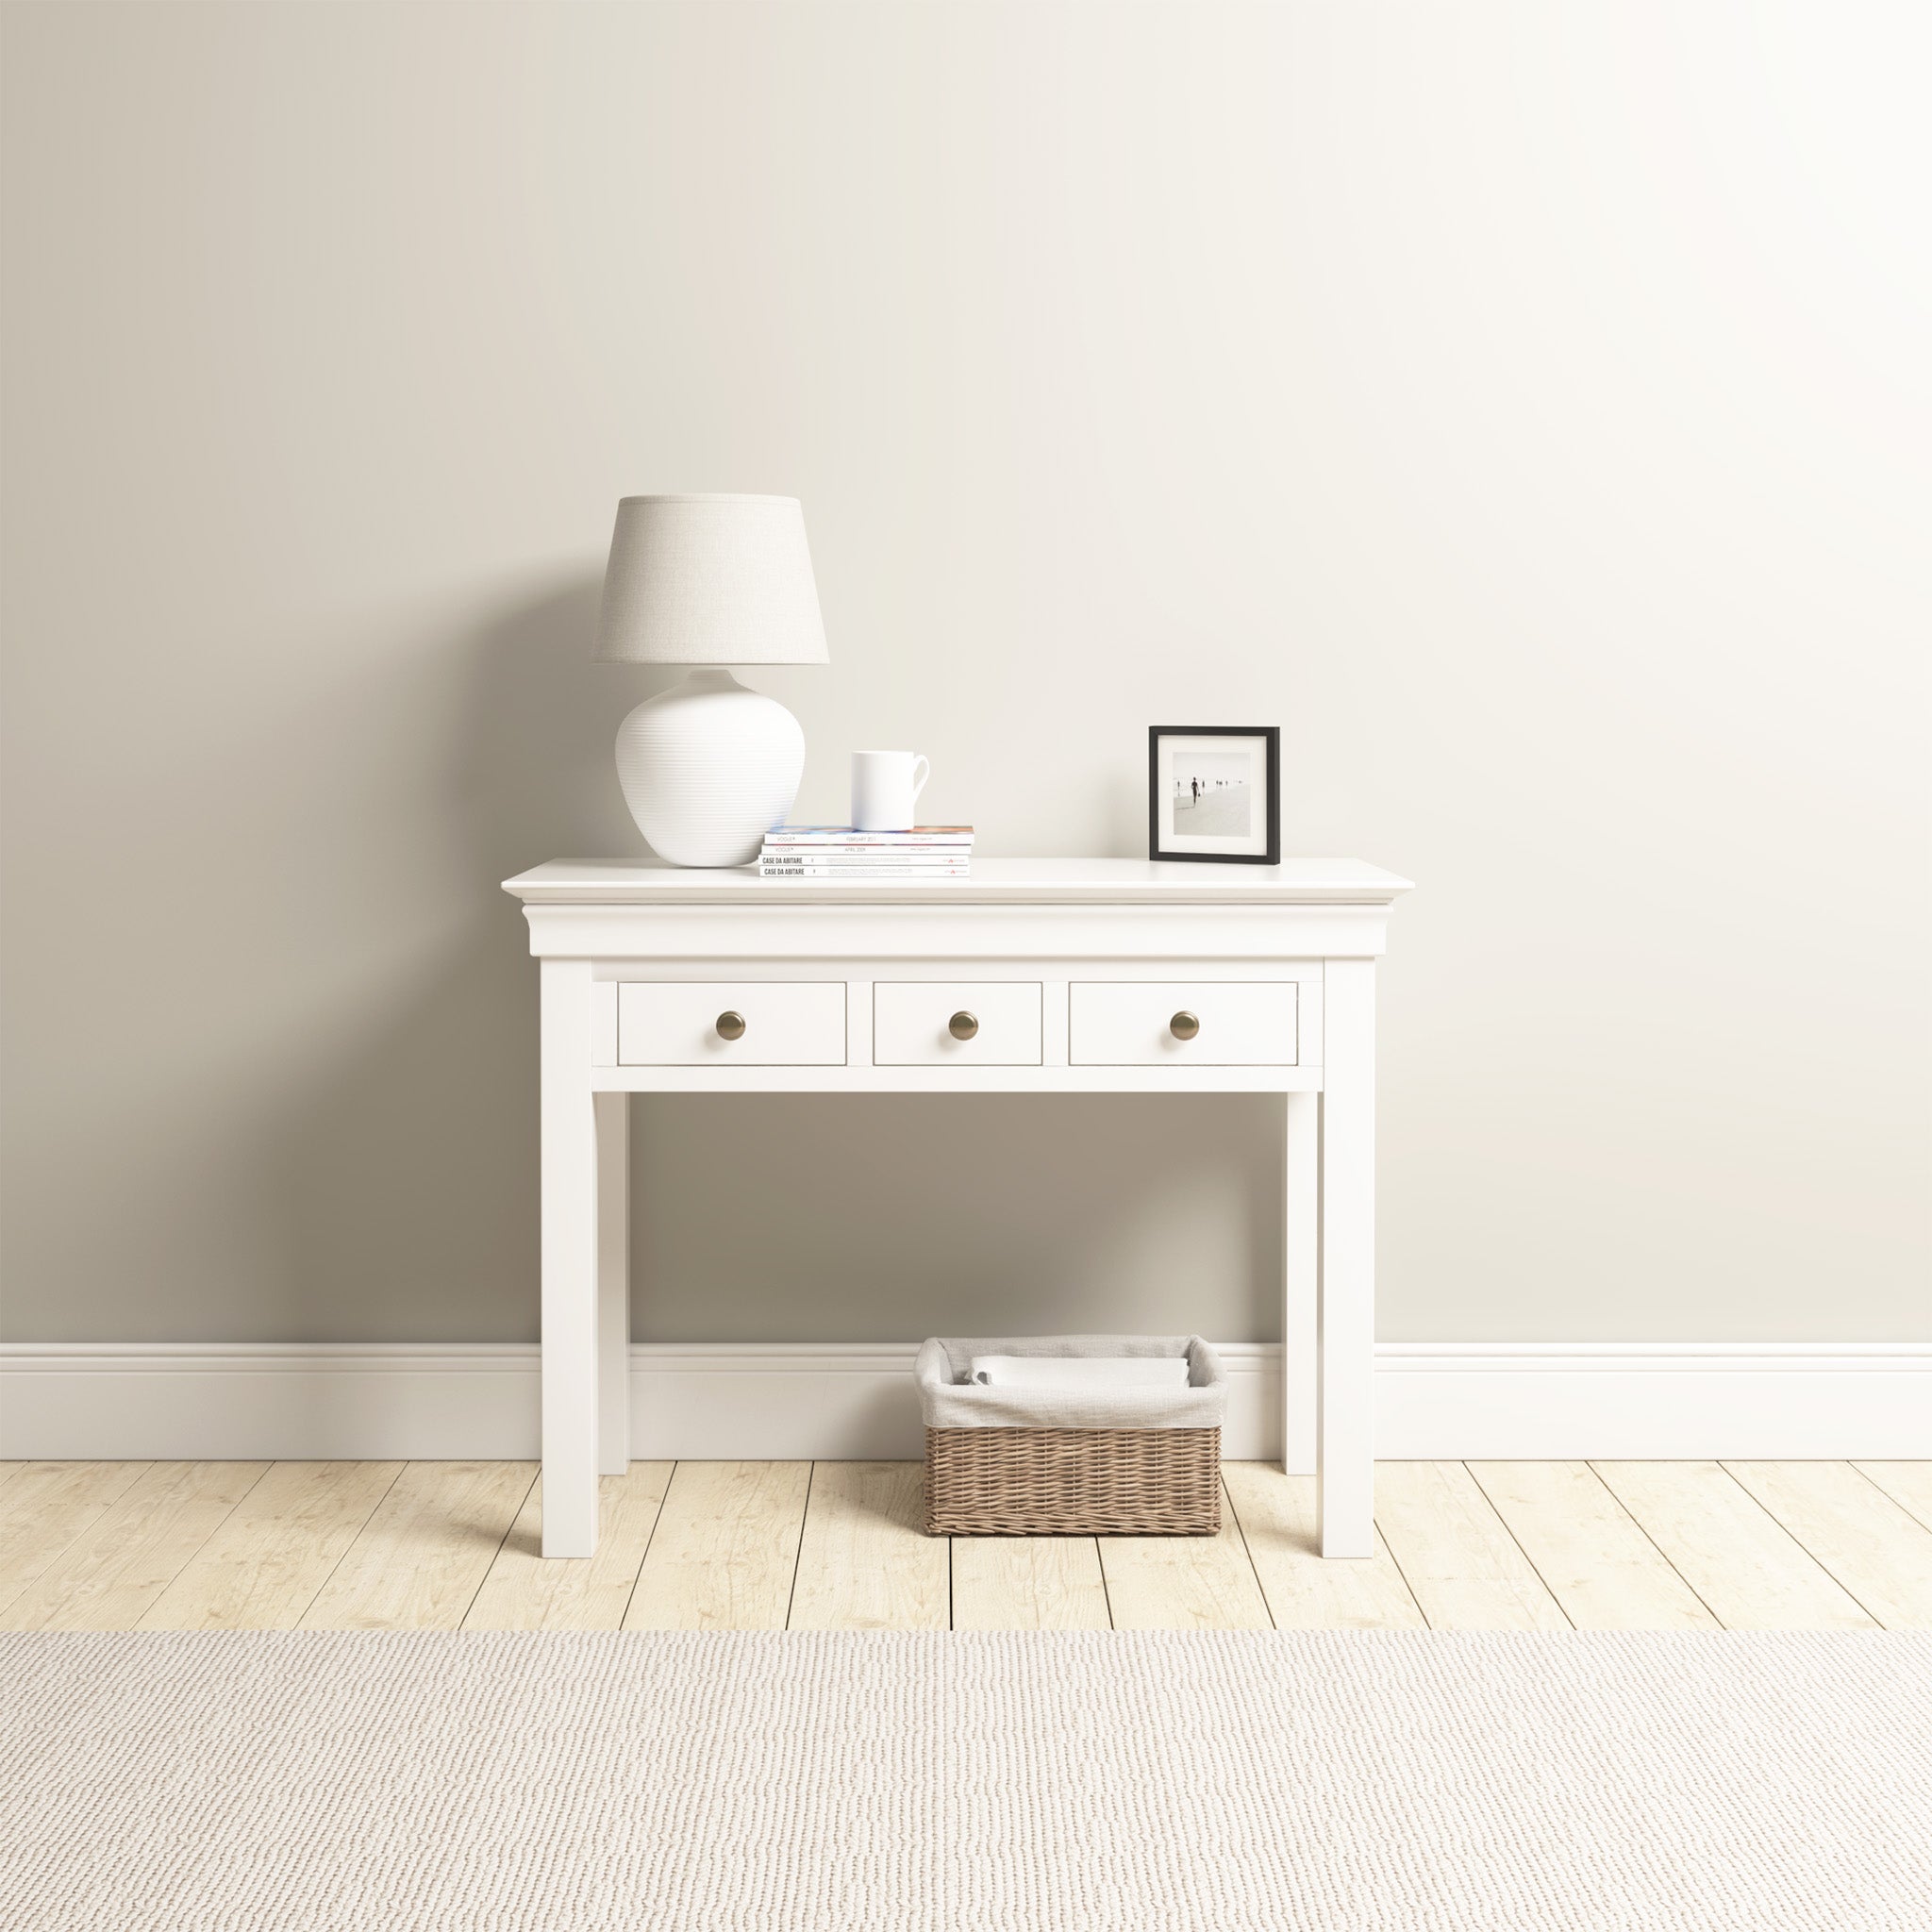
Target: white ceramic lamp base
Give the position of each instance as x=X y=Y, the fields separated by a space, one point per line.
x=709 y=768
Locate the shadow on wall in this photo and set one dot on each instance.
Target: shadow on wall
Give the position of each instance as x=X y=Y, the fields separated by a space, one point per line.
x=534 y=773
x=891 y=1217
x=407 y=1182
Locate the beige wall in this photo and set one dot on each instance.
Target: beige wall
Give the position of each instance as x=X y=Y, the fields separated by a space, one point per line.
x=1525 y=406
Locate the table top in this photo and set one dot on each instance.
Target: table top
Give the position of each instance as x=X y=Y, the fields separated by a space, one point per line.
x=992 y=881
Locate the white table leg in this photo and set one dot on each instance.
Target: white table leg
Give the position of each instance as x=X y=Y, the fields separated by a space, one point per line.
x=1346 y=1461
x=613 y=1282
x=570 y=1263
x=1301 y=1283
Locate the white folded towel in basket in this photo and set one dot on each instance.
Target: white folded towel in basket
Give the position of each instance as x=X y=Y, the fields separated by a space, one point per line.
x=1073 y=1382
x=1079 y=1371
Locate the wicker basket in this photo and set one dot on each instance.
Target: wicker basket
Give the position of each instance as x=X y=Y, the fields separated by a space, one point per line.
x=1073 y=1482
x=1049 y=1462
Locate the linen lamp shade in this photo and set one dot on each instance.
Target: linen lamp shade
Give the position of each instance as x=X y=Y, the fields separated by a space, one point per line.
x=709 y=768
x=710 y=580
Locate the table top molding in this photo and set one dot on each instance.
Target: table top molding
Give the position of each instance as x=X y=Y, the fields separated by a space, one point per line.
x=992 y=882
x=1016 y=909
x=887 y=935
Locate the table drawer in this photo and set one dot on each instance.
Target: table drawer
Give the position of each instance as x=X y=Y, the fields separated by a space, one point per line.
x=764 y=1023
x=913 y=1023
x=1132 y=1022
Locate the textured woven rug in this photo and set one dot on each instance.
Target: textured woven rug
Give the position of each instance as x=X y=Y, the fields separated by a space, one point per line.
x=1157 y=1782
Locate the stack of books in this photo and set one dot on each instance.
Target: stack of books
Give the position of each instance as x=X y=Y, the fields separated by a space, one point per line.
x=837 y=852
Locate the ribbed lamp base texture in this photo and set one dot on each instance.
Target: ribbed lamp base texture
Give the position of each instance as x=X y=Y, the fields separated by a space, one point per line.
x=709 y=768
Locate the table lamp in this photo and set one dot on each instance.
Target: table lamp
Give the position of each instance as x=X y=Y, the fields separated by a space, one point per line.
x=708 y=767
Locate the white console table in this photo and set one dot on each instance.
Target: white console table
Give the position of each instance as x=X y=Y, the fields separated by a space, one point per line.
x=1034 y=975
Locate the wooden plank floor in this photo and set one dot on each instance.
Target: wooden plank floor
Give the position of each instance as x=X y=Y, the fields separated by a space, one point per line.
x=837 y=1547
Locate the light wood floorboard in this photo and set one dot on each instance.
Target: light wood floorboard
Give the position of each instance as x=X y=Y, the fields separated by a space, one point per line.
x=1184 y=1582
x=1027 y=1583
x=47 y=1507
x=713 y=1545
x=1588 y=1549
x=1457 y=1554
x=1727 y=1547
x=1280 y=1521
x=865 y=1562
x=113 y=1573
x=423 y=1555
x=523 y=1593
x=1908 y=1485
x=725 y=1549
x=263 y=1566
x=1879 y=1553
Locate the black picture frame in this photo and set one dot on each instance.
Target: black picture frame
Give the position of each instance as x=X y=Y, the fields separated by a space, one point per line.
x=1272 y=734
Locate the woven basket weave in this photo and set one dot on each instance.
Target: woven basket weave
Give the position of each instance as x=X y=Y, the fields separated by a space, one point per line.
x=1073 y=1482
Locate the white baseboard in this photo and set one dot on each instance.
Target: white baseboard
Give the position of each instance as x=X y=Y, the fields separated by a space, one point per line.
x=1433 y=1400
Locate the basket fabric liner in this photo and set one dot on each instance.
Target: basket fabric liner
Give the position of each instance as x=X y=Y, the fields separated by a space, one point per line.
x=948 y=1400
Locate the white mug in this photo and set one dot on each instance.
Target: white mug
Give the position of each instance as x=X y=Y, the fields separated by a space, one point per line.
x=884 y=784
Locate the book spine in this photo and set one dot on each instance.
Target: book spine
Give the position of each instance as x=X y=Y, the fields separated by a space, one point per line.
x=769 y=871
x=930 y=835
x=915 y=848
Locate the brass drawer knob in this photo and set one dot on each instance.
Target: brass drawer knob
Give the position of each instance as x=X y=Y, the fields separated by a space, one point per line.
x=1184 y=1025
x=962 y=1026
x=730 y=1025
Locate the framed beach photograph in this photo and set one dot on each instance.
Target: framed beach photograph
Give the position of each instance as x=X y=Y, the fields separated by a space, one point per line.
x=1214 y=792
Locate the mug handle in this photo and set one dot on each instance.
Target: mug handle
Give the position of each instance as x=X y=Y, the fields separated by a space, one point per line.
x=921 y=771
